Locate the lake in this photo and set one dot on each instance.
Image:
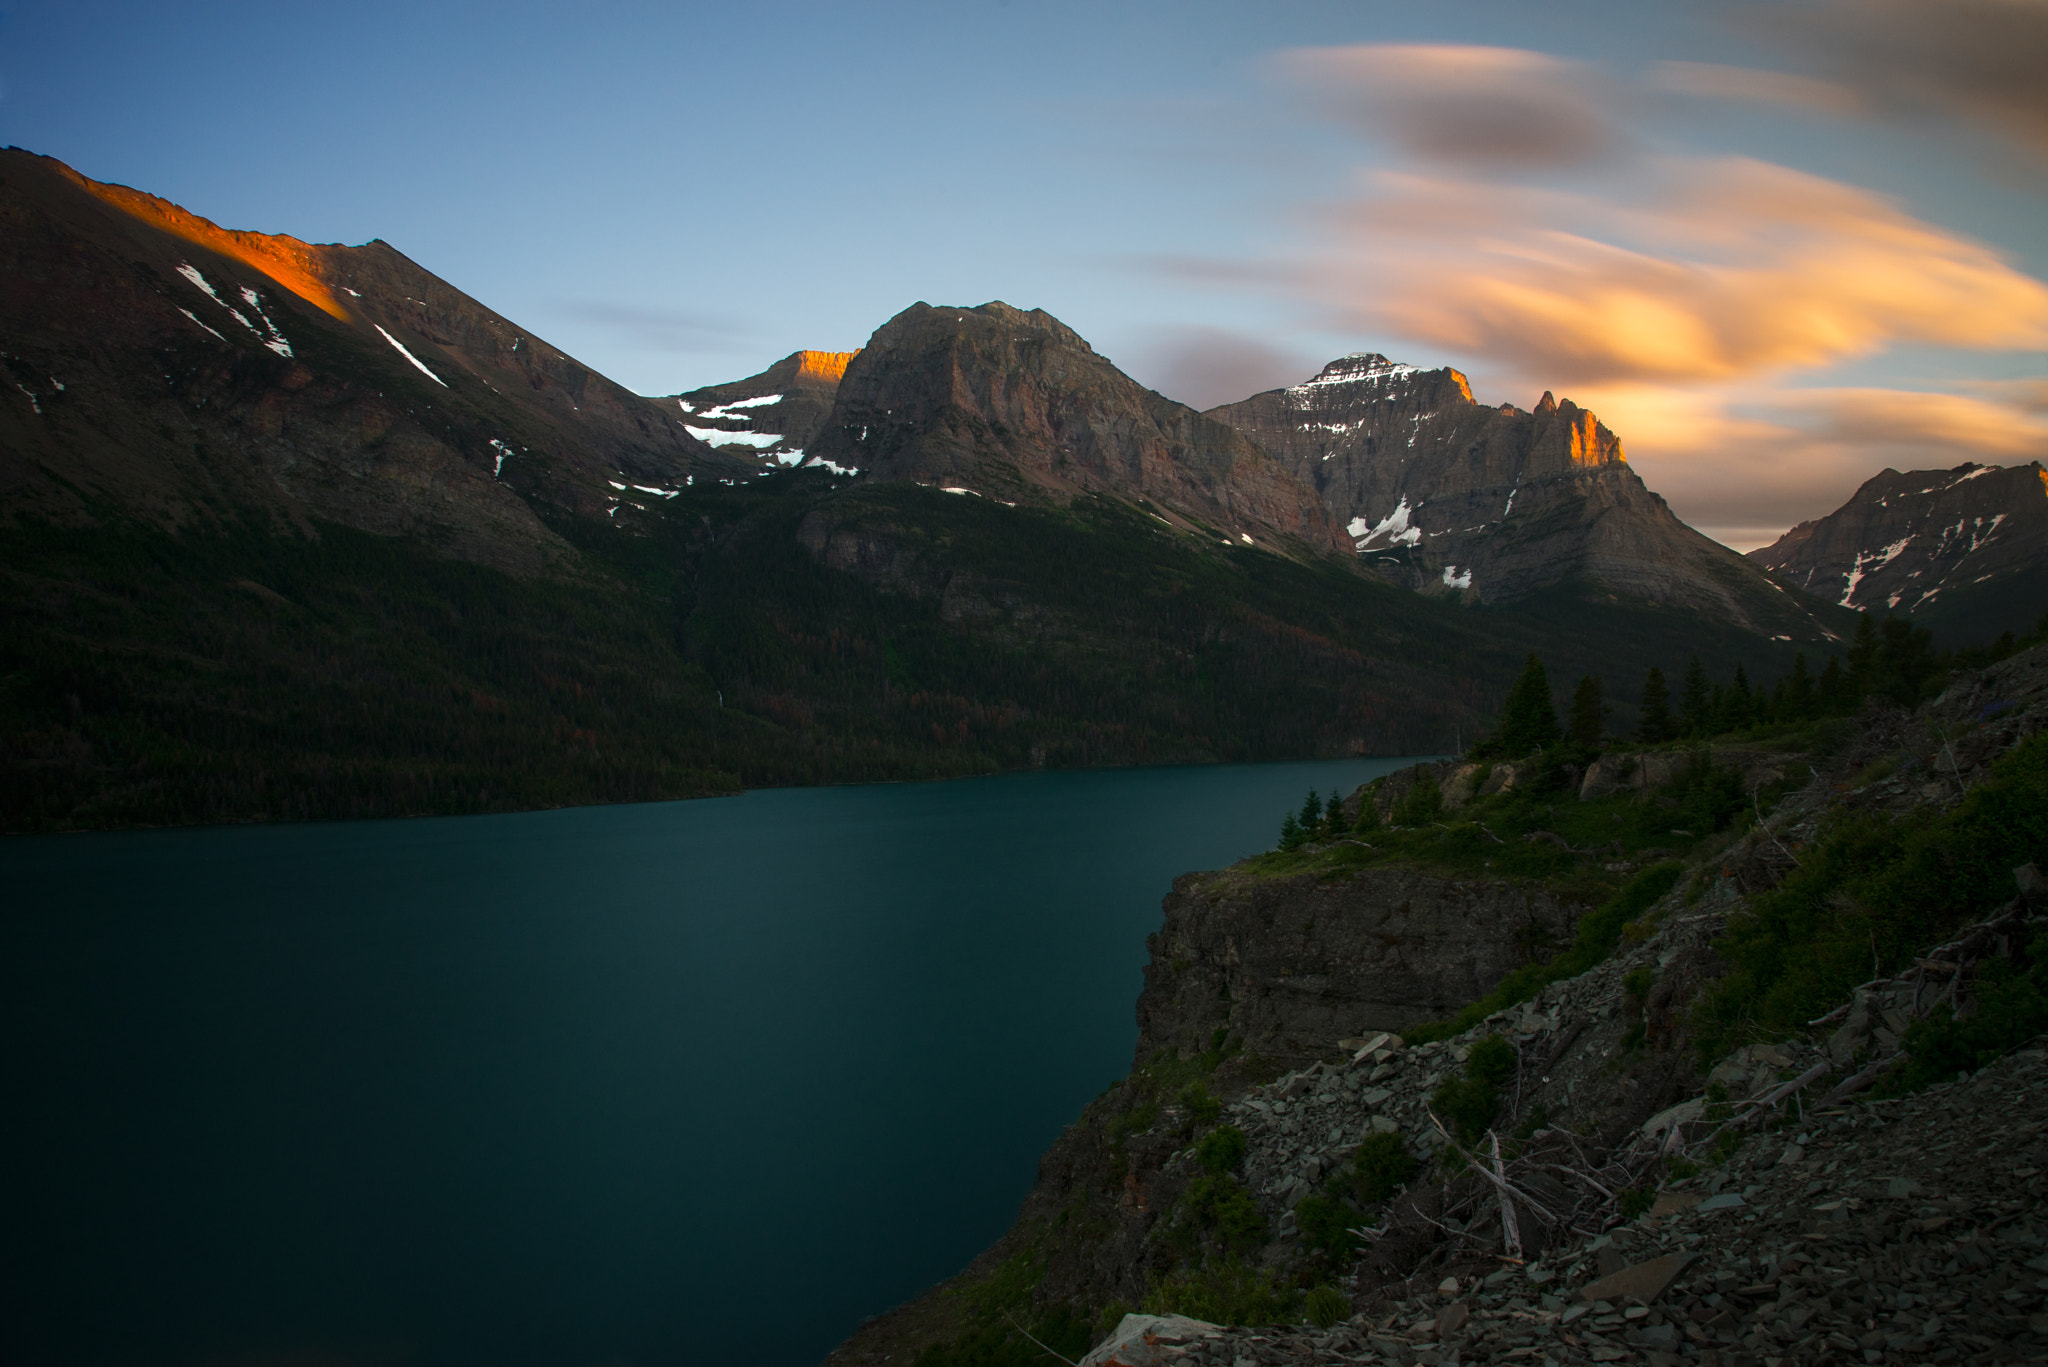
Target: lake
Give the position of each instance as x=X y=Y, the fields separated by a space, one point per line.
x=665 y=1083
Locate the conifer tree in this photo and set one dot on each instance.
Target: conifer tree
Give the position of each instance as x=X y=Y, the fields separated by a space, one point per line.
x=1863 y=657
x=1833 y=692
x=1653 y=714
x=1735 y=708
x=1695 y=707
x=1291 y=835
x=1311 y=812
x=1529 y=722
x=1333 y=825
x=1589 y=714
x=1798 y=701
x=1368 y=814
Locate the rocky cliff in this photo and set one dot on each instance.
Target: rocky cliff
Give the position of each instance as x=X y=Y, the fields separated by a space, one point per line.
x=165 y=368
x=1441 y=492
x=1289 y=964
x=1965 y=551
x=1577 y=1184
x=1015 y=406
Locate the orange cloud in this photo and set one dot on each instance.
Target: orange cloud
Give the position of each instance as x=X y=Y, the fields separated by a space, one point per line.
x=1744 y=462
x=1711 y=268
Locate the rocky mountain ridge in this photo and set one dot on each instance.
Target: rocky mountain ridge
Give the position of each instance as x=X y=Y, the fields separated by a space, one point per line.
x=1003 y=404
x=1965 y=551
x=172 y=369
x=1441 y=493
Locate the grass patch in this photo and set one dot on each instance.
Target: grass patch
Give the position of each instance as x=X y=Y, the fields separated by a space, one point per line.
x=1871 y=894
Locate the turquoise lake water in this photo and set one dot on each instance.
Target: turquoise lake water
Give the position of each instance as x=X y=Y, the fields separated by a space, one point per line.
x=669 y=1083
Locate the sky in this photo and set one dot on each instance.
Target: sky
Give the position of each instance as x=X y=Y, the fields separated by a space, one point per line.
x=1777 y=247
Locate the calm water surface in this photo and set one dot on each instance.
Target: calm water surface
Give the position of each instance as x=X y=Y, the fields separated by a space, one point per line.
x=652 y=1084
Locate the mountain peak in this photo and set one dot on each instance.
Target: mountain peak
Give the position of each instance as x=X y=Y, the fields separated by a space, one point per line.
x=1015 y=405
x=1961 y=549
x=1546 y=405
x=829 y=366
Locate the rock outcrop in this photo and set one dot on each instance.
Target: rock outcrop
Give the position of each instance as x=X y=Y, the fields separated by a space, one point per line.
x=1965 y=551
x=1015 y=406
x=1441 y=492
x=1288 y=965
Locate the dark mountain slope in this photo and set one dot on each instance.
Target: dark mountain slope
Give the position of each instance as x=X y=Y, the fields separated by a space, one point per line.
x=1441 y=492
x=1015 y=406
x=773 y=416
x=1965 y=551
x=177 y=371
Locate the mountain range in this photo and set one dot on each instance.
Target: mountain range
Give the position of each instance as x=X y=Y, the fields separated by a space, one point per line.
x=1964 y=551
x=300 y=529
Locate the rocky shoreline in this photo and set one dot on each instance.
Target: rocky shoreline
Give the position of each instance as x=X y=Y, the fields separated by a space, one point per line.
x=1626 y=1204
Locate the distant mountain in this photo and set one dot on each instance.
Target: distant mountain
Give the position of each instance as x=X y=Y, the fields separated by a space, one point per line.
x=773 y=416
x=162 y=365
x=1016 y=407
x=1441 y=492
x=298 y=531
x=1965 y=551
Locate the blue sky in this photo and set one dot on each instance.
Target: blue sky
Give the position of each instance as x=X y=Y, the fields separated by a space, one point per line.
x=1777 y=246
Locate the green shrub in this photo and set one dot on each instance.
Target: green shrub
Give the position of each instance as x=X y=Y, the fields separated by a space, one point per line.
x=2012 y=1008
x=1636 y=1202
x=1328 y=1306
x=1423 y=804
x=1202 y=1105
x=1869 y=889
x=1468 y=1106
x=1216 y=1215
x=1136 y=1120
x=1381 y=1166
x=1491 y=1061
x=1325 y=1223
x=1225 y=1292
x=1221 y=1150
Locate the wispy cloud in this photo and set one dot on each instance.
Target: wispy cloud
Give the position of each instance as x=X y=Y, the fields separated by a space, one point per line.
x=1981 y=60
x=1486 y=107
x=1700 y=269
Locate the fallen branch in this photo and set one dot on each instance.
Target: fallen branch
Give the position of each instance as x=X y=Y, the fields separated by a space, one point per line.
x=1027 y=1334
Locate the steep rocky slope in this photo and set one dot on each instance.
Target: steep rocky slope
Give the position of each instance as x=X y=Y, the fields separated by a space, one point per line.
x=773 y=416
x=1442 y=492
x=1015 y=406
x=1611 y=1198
x=1965 y=551
x=165 y=368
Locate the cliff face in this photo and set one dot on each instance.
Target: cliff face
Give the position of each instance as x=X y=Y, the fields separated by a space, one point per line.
x=1016 y=406
x=1290 y=965
x=172 y=369
x=1440 y=492
x=1963 y=550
